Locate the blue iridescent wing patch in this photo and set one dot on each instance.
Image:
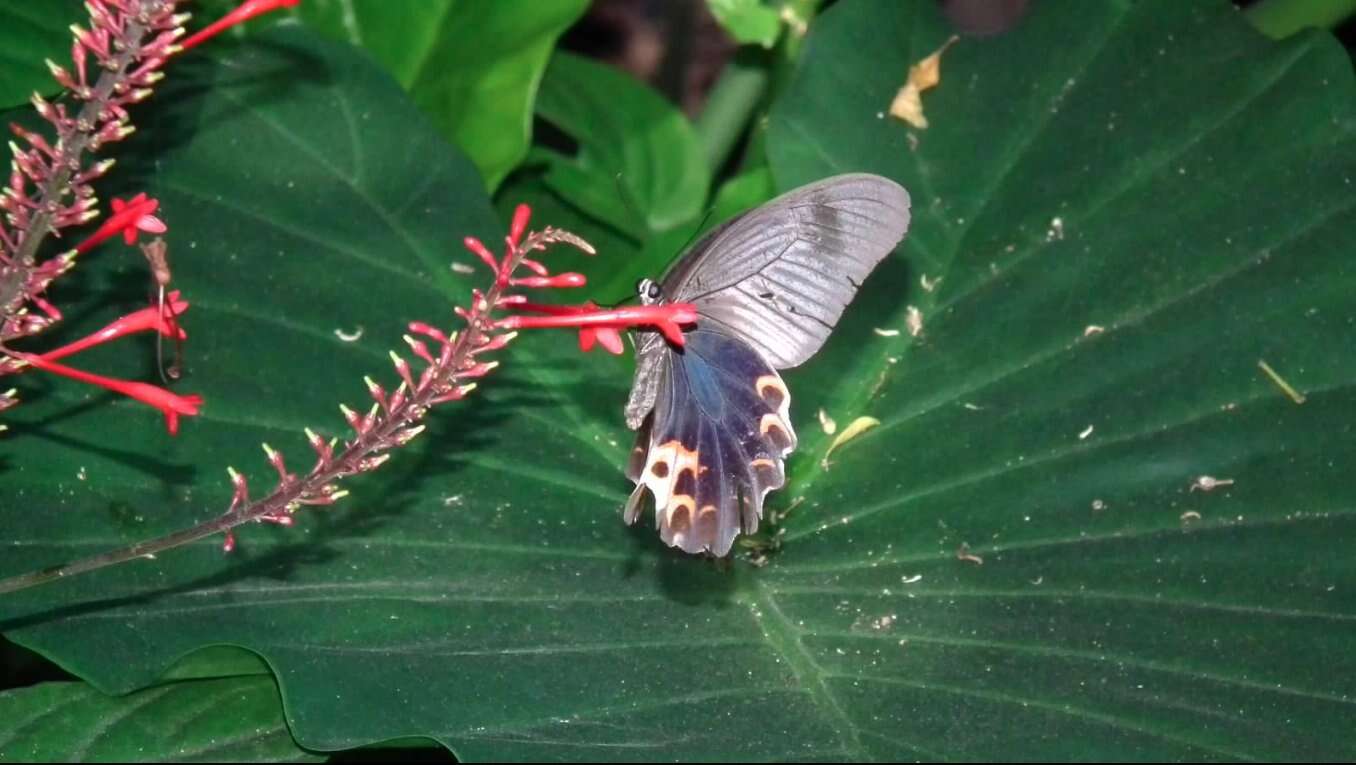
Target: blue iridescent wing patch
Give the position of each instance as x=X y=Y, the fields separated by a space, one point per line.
x=769 y=286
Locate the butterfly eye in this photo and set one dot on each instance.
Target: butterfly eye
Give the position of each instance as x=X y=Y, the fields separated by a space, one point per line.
x=648 y=290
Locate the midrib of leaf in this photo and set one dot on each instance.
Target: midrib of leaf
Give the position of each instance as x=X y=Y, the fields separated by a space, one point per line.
x=784 y=639
x=861 y=381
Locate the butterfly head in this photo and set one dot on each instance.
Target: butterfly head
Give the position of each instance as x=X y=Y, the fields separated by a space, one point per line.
x=650 y=292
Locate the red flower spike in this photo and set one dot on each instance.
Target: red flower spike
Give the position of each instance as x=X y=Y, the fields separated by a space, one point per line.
x=244 y=12
x=228 y=544
x=170 y=404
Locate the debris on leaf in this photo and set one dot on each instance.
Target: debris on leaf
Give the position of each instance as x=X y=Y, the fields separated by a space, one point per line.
x=911 y=579
x=1098 y=504
x=908 y=102
x=884 y=622
x=1190 y=515
x=1210 y=483
x=349 y=337
x=963 y=553
x=858 y=427
x=1093 y=329
x=826 y=422
x=1085 y=433
x=1056 y=231
x=927 y=284
x=914 y=321
x=885 y=332
x=1294 y=395
x=463 y=268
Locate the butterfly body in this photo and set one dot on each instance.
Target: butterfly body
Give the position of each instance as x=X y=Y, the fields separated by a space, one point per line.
x=713 y=416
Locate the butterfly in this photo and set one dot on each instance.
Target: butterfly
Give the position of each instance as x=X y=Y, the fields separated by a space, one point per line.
x=713 y=416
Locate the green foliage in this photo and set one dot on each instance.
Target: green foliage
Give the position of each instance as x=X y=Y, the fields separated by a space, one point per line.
x=748 y=21
x=472 y=66
x=30 y=33
x=1116 y=216
x=230 y=719
x=638 y=166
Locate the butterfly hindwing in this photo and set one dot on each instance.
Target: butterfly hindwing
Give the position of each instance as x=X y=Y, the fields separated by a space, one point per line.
x=714 y=443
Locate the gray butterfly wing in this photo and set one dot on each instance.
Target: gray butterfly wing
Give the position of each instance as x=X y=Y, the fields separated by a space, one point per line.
x=780 y=276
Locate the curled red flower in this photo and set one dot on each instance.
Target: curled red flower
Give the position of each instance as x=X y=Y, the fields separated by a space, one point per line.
x=128 y=218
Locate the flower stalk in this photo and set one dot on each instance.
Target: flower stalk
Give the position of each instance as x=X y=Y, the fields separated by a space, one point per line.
x=453 y=363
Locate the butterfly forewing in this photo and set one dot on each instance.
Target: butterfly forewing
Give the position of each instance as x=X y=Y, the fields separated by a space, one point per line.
x=779 y=277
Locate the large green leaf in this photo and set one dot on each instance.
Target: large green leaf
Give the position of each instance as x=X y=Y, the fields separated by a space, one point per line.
x=481 y=590
x=1118 y=228
x=473 y=66
x=30 y=33
x=233 y=719
x=639 y=166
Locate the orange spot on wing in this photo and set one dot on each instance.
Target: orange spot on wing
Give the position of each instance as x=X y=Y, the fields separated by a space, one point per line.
x=683 y=458
x=774 y=384
x=771 y=422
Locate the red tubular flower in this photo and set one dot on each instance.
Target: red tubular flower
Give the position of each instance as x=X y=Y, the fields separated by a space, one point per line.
x=243 y=12
x=608 y=337
x=667 y=318
x=149 y=319
x=559 y=280
x=128 y=218
x=170 y=404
